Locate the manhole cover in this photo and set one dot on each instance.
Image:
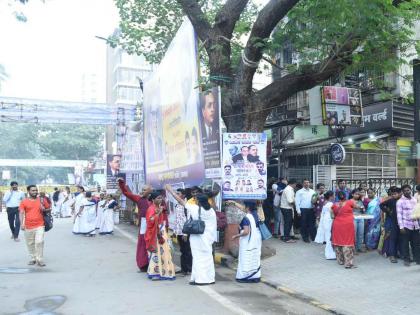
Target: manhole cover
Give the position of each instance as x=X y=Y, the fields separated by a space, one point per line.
x=15 y=270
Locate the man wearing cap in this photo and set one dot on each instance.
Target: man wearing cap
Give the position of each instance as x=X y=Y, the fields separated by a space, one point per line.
x=12 y=200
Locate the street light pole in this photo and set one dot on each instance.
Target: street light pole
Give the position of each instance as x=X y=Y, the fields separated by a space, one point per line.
x=416 y=93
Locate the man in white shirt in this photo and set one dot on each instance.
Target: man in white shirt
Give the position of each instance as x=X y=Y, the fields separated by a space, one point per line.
x=12 y=200
x=286 y=204
x=305 y=210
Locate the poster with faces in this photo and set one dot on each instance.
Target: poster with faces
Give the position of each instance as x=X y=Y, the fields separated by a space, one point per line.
x=244 y=166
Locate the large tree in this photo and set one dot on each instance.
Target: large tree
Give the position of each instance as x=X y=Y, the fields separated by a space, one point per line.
x=328 y=37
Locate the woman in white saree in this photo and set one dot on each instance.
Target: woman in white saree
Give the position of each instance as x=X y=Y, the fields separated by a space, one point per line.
x=203 y=272
x=87 y=216
x=106 y=223
x=323 y=234
x=249 y=260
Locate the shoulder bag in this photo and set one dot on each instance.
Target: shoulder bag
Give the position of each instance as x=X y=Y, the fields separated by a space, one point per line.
x=48 y=219
x=265 y=232
x=194 y=227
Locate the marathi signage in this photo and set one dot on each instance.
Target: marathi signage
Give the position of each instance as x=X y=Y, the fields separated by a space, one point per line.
x=173 y=146
x=341 y=106
x=376 y=117
x=244 y=166
x=310 y=133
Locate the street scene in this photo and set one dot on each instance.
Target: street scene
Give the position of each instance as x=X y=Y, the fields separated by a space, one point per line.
x=202 y=157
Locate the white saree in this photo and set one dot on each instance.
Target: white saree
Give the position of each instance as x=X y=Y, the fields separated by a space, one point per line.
x=106 y=222
x=87 y=218
x=66 y=205
x=249 y=260
x=323 y=233
x=203 y=271
x=101 y=209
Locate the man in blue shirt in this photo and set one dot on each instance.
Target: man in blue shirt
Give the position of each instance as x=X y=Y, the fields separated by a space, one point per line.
x=12 y=200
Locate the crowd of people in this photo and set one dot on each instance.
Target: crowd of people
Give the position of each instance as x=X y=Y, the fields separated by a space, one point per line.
x=197 y=249
x=90 y=211
x=347 y=221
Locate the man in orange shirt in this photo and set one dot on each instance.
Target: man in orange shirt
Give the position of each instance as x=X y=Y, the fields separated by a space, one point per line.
x=32 y=222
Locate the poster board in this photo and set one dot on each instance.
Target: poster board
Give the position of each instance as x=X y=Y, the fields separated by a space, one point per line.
x=244 y=173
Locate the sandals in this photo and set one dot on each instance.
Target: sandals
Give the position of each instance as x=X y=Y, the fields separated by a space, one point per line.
x=41 y=264
x=32 y=262
x=351 y=267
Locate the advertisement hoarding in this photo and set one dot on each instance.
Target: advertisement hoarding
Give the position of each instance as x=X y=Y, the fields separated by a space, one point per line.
x=173 y=146
x=341 y=106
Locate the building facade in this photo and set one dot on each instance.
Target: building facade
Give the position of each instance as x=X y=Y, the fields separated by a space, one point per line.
x=383 y=148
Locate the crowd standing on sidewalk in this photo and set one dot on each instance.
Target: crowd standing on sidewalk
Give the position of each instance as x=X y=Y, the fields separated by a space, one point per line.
x=349 y=222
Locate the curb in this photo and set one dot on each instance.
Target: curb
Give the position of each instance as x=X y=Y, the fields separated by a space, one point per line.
x=303 y=297
x=228 y=262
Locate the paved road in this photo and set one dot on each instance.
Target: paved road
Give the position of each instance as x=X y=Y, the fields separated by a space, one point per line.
x=375 y=287
x=98 y=276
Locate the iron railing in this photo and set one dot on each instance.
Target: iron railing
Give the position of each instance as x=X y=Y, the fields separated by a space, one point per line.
x=380 y=185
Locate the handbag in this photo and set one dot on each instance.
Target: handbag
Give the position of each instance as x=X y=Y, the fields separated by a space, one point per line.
x=48 y=218
x=194 y=227
x=265 y=233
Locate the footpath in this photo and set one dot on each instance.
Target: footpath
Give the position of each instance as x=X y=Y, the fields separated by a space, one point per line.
x=375 y=287
x=300 y=271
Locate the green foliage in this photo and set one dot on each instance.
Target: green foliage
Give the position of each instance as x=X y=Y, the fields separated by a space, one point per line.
x=316 y=28
x=56 y=142
x=148 y=26
x=313 y=28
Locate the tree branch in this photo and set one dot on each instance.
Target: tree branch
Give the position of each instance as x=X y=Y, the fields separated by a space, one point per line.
x=228 y=15
x=266 y=21
x=340 y=58
x=196 y=15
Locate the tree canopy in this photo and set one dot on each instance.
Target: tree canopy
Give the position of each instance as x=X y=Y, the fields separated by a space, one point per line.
x=327 y=37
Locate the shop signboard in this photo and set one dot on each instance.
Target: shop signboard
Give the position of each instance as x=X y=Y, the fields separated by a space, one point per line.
x=338 y=153
x=244 y=166
x=173 y=146
x=310 y=133
x=376 y=117
x=341 y=106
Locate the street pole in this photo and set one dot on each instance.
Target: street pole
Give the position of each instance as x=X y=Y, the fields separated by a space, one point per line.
x=416 y=93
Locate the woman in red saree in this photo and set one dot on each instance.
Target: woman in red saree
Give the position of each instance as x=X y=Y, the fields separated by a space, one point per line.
x=161 y=266
x=343 y=230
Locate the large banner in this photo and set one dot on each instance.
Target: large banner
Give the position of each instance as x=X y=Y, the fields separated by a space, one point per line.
x=209 y=114
x=173 y=149
x=244 y=166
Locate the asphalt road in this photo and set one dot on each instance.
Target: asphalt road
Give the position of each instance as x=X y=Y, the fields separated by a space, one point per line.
x=99 y=276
